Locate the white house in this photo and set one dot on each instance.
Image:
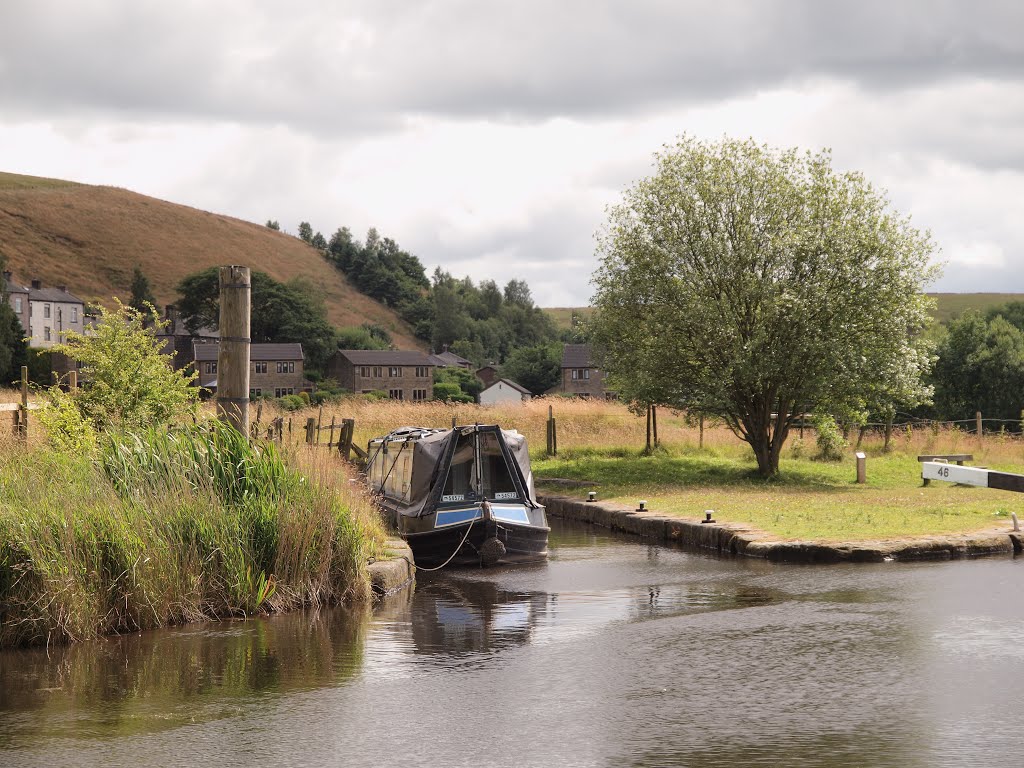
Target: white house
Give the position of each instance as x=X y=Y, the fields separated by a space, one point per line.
x=504 y=391
x=52 y=311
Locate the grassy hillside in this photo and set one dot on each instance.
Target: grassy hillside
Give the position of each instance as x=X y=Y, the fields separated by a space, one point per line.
x=948 y=306
x=90 y=239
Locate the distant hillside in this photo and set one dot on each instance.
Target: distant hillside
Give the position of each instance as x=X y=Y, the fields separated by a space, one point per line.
x=90 y=239
x=948 y=306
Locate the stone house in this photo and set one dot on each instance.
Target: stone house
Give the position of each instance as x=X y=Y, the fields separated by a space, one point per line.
x=580 y=375
x=488 y=375
x=403 y=374
x=275 y=370
x=17 y=296
x=504 y=391
x=51 y=313
x=180 y=343
x=448 y=359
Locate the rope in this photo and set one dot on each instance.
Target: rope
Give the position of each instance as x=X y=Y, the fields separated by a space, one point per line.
x=452 y=557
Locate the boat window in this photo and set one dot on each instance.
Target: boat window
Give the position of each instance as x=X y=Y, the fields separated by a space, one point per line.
x=459 y=486
x=496 y=475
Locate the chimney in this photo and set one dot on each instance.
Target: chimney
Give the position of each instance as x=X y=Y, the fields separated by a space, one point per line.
x=37 y=284
x=62 y=288
x=7 y=276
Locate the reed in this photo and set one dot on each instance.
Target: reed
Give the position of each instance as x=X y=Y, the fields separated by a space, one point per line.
x=172 y=525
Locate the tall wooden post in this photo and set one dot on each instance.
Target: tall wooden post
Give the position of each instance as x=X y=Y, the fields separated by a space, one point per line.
x=654 y=423
x=648 y=448
x=73 y=382
x=23 y=424
x=701 y=443
x=977 y=423
x=233 y=356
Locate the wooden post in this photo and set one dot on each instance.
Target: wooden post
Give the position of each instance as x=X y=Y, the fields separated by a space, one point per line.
x=977 y=424
x=554 y=437
x=701 y=443
x=348 y=426
x=319 y=419
x=233 y=355
x=551 y=440
x=73 y=382
x=23 y=423
x=648 y=448
x=310 y=430
x=654 y=423
x=330 y=437
x=888 y=431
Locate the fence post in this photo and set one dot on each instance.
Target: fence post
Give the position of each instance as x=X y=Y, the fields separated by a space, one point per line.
x=348 y=426
x=330 y=437
x=648 y=448
x=233 y=352
x=654 y=423
x=888 y=432
x=319 y=418
x=73 y=382
x=310 y=429
x=23 y=424
x=977 y=424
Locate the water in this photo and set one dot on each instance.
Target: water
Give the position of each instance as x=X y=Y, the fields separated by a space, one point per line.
x=614 y=653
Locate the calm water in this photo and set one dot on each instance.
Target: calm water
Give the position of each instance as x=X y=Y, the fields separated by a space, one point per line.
x=613 y=653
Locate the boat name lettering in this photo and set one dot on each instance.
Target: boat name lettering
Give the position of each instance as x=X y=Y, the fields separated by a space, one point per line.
x=454 y=497
x=506 y=495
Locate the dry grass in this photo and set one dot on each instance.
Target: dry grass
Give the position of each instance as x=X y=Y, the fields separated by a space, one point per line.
x=90 y=239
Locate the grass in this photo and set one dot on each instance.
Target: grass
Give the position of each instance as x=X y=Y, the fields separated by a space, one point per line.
x=172 y=526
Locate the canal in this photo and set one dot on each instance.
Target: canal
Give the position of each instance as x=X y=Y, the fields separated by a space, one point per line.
x=614 y=653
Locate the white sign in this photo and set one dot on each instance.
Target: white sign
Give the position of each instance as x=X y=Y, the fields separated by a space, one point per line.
x=506 y=495
x=954 y=473
x=454 y=497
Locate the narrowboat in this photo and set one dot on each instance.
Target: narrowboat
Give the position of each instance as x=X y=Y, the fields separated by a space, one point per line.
x=460 y=496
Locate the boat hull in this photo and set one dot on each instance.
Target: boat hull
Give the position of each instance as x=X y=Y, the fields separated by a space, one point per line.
x=519 y=544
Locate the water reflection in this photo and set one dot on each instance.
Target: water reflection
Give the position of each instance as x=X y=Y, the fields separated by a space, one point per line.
x=162 y=679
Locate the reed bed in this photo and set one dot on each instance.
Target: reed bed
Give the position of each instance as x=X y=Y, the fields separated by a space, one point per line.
x=170 y=526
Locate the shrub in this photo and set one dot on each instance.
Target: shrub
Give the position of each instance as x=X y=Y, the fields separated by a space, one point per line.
x=292 y=402
x=830 y=440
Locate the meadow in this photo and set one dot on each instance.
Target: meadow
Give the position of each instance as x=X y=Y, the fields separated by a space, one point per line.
x=604 y=444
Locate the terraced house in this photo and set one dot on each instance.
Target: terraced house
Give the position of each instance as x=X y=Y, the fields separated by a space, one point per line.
x=17 y=296
x=275 y=370
x=46 y=314
x=402 y=374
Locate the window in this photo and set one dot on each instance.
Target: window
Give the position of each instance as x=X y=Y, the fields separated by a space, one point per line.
x=394 y=371
x=46 y=333
x=280 y=367
x=74 y=314
x=211 y=367
x=282 y=391
x=580 y=373
x=378 y=372
x=291 y=366
x=419 y=395
x=255 y=392
x=395 y=394
x=17 y=304
x=422 y=372
x=259 y=367
x=364 y=371
x=46 y=310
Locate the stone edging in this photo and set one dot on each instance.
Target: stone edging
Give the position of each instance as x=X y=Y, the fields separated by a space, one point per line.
x=738 y=539
x=395 y=574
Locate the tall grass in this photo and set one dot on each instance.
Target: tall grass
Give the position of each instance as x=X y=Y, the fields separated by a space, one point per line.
x=169 y=526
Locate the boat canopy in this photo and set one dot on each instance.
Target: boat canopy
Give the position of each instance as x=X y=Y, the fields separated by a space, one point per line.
x=450 y=456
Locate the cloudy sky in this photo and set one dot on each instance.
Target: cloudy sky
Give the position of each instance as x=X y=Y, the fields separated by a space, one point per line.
x=488 y=137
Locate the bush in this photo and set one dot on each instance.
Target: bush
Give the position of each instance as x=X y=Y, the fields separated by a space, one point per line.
x=448 y=391
x=292 y=403
x=830 y=440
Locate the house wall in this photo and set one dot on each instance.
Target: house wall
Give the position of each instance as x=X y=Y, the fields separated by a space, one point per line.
x=350 y=377
x=501 y=393
x=267 y=383
x=63 y=316
x=19 y=303
x=589 y=387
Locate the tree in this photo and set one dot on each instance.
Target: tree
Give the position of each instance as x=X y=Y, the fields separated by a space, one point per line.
x=980 y=366
x=537 y=368
x=13 y=347
x=142 y=295
x=131 y=384
x=274 y=225
x=750 y=283
x=305 y=232
x=281 y=312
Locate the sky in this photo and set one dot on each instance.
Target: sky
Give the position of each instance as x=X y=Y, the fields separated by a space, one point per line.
x=489 y=137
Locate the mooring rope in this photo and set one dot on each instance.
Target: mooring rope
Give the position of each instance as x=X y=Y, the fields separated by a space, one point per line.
x=442 y=565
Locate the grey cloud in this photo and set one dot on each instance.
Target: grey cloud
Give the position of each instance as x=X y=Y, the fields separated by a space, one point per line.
x=340 y=67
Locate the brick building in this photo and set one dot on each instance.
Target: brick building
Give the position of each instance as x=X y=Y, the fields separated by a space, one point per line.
x=580 y=375
x=275 y=370
x=402 y=374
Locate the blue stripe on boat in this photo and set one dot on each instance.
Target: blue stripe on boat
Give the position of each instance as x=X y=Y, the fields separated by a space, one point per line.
x=509 y=513
x=455 y=516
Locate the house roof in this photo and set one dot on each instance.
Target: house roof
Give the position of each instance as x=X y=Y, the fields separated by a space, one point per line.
x=445 y=359
x=10 y=286
x=54 y=295
x=208 y=352
x=518 y=387
x=386 y=357
x=577 y=356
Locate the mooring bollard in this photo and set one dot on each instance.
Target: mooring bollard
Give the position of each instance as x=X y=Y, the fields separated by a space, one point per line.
x=708 y=516
x=641 y=506
x=1016 y=524
x=591 y=496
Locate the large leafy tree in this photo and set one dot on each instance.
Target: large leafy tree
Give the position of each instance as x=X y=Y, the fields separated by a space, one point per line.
x=142 y=294
x=13 y=347
x=537 y=368
x=750 y=283
x=280 y=312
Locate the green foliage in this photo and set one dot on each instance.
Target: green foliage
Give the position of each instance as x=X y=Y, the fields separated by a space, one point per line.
x=142 y=295
x=466 y=381
x=280 y=312
x=127 y=382
x=980 y=366
x=829 y=439
x=305 y=232
x=748 y=283
x=274 y=225
x=13 y=347
x=365 y=336
x=537 y=368
x=447 y=391
x=291 y=403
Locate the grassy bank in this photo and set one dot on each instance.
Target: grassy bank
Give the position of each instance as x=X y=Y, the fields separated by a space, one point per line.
x=172 y=526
